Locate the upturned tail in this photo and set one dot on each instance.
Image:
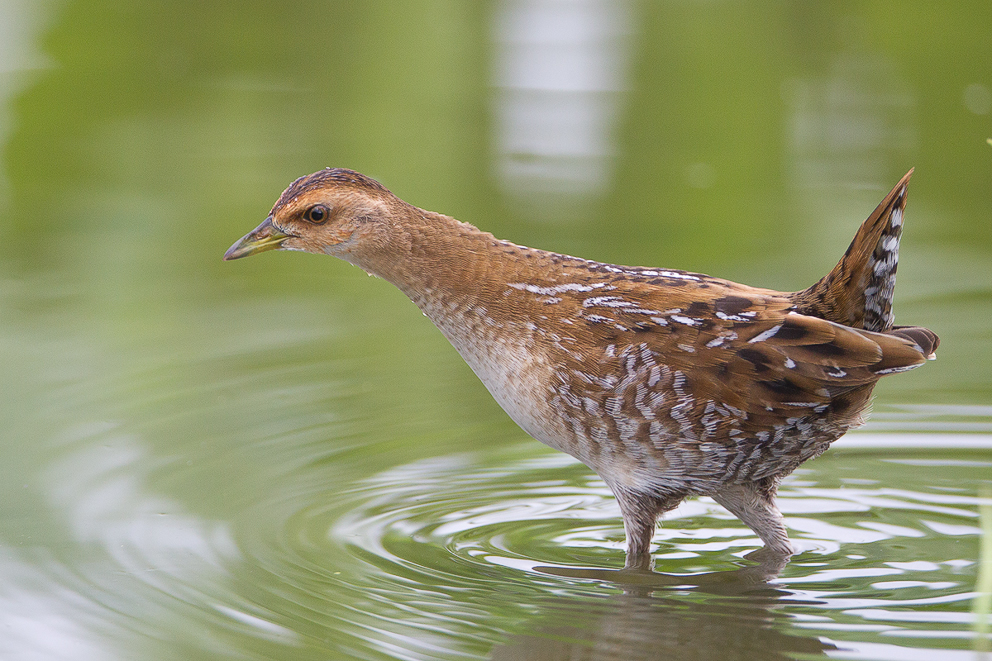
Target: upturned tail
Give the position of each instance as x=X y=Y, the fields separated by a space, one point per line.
x=858 y=291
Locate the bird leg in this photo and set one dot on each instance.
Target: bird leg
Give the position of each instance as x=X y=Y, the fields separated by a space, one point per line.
x=754 y=504
x=640 y=514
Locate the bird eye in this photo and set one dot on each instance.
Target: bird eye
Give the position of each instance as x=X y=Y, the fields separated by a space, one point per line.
x=316 y=214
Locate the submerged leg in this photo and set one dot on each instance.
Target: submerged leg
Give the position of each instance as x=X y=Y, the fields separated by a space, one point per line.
x=640 y=514
x=754 y=504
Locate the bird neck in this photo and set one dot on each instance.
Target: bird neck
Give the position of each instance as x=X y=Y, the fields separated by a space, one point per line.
x=438 y=261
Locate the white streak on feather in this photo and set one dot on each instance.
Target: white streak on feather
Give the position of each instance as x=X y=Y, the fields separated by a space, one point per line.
x=606 y=301
x=555 y=289
x=761 y=337
x=894 y=370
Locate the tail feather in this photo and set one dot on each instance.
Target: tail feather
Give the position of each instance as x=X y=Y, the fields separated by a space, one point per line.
x=924 y=338
x=858 y=291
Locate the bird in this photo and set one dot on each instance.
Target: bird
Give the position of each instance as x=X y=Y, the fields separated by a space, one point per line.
x=666 y=383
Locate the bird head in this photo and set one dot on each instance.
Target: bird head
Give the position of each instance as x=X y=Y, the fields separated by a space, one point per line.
x=334 y=211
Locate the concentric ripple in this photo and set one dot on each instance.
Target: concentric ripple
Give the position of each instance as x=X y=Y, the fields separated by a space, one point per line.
x=526 y=507
x=443 y=539
x=303 y=552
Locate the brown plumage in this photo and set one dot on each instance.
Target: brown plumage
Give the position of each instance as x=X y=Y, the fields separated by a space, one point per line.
x=666 y=383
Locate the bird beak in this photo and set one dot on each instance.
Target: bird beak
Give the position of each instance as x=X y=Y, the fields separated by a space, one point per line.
x=264 y=237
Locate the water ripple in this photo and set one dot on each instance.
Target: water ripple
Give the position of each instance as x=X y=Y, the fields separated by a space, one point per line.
x=440 y=557
x=413 y=540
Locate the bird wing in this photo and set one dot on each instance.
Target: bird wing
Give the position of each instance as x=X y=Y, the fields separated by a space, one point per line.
x=741 y=345
x=722 y=375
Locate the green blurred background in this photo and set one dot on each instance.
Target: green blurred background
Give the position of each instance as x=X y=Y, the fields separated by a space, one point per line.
x=138 y=140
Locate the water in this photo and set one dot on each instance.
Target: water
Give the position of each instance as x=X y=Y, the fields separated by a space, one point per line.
x=280 y=458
